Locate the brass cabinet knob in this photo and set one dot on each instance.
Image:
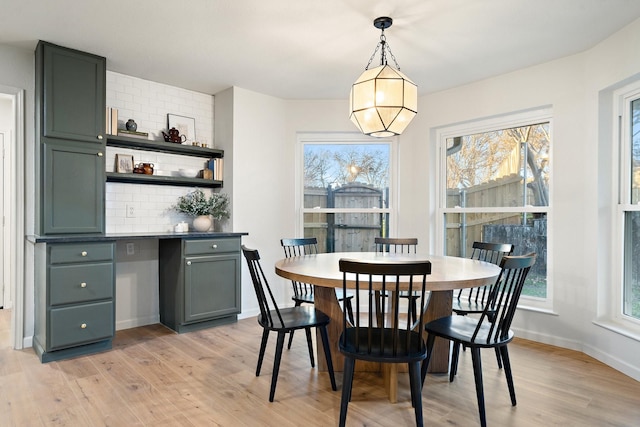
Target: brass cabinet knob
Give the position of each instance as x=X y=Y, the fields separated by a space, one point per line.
x=83 y=326
x=84 y=253
x=100 y=137
x=99 y=153
x=83 y=284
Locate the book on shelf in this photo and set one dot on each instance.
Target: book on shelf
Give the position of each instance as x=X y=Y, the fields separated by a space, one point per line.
x=133 y=134
x=111 y=121
x=114 y=121
x=217 y=166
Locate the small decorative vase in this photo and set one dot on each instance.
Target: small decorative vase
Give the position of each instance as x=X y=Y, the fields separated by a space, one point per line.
x=202 y=223
x=131 y=125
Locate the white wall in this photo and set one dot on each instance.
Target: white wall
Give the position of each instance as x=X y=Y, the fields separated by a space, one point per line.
x=261 y=180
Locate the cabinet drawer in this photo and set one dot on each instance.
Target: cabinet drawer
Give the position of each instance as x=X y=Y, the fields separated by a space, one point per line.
x=211 y=246
x=81 y=324
x=80 y=252
x=80 y=283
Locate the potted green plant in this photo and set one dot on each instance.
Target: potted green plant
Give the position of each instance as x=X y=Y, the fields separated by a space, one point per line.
x=203 y=208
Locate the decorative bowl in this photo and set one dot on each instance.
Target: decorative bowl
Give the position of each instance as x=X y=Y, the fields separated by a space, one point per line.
x=189 y=173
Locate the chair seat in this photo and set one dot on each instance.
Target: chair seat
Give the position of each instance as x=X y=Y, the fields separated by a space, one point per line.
x=304 y=299
x=356 y=345
x=461 y=329
x=310 y=299
x=466 y=307
x=295 y=318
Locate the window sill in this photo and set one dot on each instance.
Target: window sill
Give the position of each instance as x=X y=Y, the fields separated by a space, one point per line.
x=537 y=309
x=622 y=328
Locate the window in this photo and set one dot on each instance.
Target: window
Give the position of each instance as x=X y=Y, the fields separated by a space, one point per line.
x=347 y=190
x=627 y=300
x=495 y=178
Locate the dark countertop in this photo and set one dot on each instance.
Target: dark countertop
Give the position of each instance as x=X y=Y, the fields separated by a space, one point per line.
x=70 y=238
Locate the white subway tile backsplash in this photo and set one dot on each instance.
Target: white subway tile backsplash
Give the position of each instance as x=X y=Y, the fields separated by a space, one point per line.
x=148 y=103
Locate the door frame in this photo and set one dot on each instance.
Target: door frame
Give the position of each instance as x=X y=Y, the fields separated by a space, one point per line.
x=14 y=226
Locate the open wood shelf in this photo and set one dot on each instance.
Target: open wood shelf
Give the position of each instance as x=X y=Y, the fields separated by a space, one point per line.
x=163 y=147
x=135 y=178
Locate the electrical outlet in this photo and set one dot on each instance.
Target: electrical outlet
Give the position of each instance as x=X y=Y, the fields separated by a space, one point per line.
x=131 y=211
x=130 y=249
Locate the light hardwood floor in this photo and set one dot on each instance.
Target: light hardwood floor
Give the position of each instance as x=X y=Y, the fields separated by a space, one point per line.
x=154 y=377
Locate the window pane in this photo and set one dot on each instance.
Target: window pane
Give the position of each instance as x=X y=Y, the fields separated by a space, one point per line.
x=346 y=232
x=487 y=169
x=635 y=151
x=346 y=175
x=526 y=231
x=631 y=293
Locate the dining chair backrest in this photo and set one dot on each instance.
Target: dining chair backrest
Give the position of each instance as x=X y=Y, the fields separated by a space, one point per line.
x=488 y=252
x=495 y=320
x=297 y=247
x=395 y=244
x=400 y=337
x=266 y=300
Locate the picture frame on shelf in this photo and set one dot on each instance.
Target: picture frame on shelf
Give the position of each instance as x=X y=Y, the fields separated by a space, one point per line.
x=185 y=125
x=124 y=163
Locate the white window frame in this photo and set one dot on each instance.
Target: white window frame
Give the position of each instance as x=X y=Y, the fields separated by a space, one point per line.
x=345 y=138
x=622 y=203
x=506 y=121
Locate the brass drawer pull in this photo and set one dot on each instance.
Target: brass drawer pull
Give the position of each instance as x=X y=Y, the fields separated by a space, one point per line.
x=83 y=326
x=84 y=253
x=83 y=284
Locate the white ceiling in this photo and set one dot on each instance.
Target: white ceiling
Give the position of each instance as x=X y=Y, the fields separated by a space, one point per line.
x=304 y=49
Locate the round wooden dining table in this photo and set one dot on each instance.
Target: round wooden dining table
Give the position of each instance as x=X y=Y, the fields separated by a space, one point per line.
x=447 y=273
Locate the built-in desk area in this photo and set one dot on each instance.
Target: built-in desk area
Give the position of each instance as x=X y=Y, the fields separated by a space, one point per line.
x=199 y=280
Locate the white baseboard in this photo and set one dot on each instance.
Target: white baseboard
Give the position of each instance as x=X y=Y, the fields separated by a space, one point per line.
x=134 y=323
x=606 y=358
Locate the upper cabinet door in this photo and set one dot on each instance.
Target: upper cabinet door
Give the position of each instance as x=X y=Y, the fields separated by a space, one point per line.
x=74 y=94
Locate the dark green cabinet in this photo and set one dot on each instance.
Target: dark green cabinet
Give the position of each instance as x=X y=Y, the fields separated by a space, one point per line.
x=73 y=93
x=72 y=188
x=70 y=103
x=74 y=299
x=199 y=282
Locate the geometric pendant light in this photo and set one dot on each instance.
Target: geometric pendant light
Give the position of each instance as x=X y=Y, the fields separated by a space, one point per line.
x=383 y=100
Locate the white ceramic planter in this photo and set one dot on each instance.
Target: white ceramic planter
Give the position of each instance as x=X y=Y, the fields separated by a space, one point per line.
x=202 y=223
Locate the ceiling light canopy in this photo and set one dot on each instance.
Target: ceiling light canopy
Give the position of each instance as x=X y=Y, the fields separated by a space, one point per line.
x=383 y=100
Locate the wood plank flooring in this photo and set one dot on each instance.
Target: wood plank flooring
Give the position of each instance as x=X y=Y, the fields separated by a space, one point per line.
x=154 y=377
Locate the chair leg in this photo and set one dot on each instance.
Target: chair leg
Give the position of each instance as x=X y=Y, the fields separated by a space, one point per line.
x=498 y=358
x=425 y=363
x=298 y=303
x=455 y=355
x=307 y=331
x=290 y=340
x=349 y=308
x=276 y=364
x=507 y=372
x=347 y=384
x=414 y=309
x=263 y=346
x=324 y=336
x=477 y=373
x=378 y=297
x=416 y=391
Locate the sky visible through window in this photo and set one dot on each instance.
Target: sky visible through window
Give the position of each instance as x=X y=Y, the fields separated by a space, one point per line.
x=339 y=164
